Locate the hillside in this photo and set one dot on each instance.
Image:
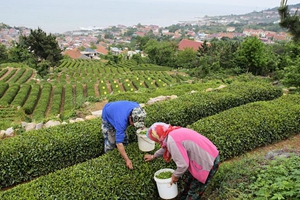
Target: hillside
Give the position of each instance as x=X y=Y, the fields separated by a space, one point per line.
x=67 y=91
x=253 y=123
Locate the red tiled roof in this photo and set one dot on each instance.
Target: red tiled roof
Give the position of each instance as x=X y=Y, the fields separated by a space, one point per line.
x=73 y=53
x=142 y=34
x=279 y=37
x=102 y=50
x=185 y=43
x=229 y=35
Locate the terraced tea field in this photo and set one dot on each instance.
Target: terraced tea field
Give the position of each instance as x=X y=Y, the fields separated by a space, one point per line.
x=71 y=84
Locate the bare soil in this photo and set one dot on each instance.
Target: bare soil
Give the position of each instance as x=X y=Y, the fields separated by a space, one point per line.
x=176 y=73
x=98 y=105
x=121 y=86
x=32 y=76
x=61 y=109
x=96 y=90
x=292 y=143
x=50 y=101
x=84 y=90
x=90 y=108
x=108 y=87
x=7 y=73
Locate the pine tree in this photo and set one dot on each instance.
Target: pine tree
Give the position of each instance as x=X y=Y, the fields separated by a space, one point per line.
x=288 y=21
x=44 y=48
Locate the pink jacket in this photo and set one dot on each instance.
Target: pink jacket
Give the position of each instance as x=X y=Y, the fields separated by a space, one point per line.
x=190 y=150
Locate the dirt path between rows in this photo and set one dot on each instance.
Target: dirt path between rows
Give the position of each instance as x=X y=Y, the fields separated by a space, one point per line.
x=50 y=101
x=292 y=143
x=7 y=73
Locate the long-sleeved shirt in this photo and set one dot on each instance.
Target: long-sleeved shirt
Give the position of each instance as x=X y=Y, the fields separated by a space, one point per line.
x=190 y=151
x=117 y=114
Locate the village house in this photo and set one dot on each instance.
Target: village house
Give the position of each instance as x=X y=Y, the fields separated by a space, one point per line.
x=185 y=43
x=230 y=29
x=74 y=54
x=90 y=53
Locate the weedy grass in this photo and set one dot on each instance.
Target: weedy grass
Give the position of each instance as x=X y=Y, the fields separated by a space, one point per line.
x=258 y=177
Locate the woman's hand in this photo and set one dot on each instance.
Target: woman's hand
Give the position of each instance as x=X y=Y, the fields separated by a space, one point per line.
x=174 y=179
x=148 y=157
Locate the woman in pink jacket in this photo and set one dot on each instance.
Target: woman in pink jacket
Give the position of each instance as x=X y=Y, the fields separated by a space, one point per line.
x=196 y=157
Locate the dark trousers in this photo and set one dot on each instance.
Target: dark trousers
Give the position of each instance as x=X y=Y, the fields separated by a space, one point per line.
x=193 y=189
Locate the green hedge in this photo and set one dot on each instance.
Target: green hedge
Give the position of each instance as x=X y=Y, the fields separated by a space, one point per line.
x=185 y=110
x=107 y=177
x=3 y=71
x=21 y=96
x=39 y=152
x=32 y=99
x=3 y=87
x=11 y=73
x=10 y=94
x=17 y=75
x=145 y=95
x=25 y=76
x=43 y=101
x=189 y=108
x=241 y=129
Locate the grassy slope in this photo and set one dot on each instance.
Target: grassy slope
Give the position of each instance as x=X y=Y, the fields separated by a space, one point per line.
x=241 y=166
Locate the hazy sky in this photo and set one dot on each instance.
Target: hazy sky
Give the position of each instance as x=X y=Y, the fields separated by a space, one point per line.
x=62 y=15
x=258 y=3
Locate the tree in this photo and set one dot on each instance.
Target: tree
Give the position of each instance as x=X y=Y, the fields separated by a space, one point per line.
x=138 y=59
x=222 y=51
x=161 y=53
x=130 y=31
x=92 y=45
x=140 y=42
x=251 y=56
x=292 y=74
x=81 y=48
x=288 y=21
x=19 y=53
x=43 y=47
x=290 y=64
x=3 y=53
x=186 y=58
x=204 y=49
x=291 y=59
x=109 y=35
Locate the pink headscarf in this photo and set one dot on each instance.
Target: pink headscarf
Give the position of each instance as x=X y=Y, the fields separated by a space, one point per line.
x=158 y=133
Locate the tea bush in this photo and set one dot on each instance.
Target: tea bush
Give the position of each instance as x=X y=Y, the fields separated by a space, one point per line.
x=44 y=153
x=189 y=108
x=241 y=129
x=39 y=152
x=105 y=177
x=233 y=131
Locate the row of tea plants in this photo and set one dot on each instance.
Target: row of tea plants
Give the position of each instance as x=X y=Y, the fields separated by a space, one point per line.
x=73 y=83
x=235 y=131
x=43 y=151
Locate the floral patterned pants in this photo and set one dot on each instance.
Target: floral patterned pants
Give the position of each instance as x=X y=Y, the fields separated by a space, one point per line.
x=193 y=189
x=109 y=134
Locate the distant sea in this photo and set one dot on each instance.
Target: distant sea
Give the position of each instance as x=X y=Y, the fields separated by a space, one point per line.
x=55 y=16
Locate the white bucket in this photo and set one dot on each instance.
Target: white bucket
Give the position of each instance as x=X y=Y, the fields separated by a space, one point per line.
x=165 y=190
x=145 y=144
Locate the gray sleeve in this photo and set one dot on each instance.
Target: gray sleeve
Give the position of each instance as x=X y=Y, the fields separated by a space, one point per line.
x=160 y=152
x=178 y=158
